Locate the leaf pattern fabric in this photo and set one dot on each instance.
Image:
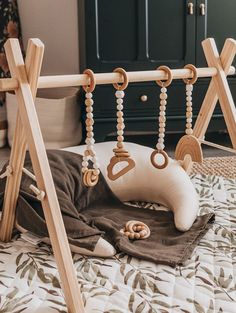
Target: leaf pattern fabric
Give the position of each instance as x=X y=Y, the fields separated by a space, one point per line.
x=29 y=280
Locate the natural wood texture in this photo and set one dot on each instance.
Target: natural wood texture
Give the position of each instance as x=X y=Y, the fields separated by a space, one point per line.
x=190 y=145
x=222 y=87
x=214 y=145
x=7 y=84
x=33 y=64
x=211 y=98
x=114 y=160
x=43 y=175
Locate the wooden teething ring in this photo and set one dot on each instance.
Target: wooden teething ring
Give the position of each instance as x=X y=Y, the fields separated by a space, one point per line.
x=136 y=230
x=125 y=78
x=165 y=156
x=90 y=178
x=195 y=76
x=92 y=84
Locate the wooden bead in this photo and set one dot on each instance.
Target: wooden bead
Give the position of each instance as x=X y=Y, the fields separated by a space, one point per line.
x=120 y=145
x=89 y=102
x=120 y=138
x=119 y=114
x=120 y=120
x=89 y=128
x=136 y=235
x=161 y=130
x=90 y=134
x=89 y=122
x=189 y=131
x=120 y=126
x=163 y=102
x=131 y=236
x=189 y=114
x=162 y=119
x=127 y=233
x=162 y=124
x=163 y=96
x=189 y=109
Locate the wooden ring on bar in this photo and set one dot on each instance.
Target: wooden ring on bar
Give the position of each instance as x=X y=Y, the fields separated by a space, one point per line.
x=92 y=85
x=125 y=77
x=193 y=80
x=167 y=82
x=166 y=159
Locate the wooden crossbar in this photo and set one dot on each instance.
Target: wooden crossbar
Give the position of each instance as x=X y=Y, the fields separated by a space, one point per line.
x=111 y=78
x=25 y=81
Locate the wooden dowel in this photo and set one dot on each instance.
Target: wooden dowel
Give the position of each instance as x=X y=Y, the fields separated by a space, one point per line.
x=8 y=84
x=214 y=145
x=28 y=173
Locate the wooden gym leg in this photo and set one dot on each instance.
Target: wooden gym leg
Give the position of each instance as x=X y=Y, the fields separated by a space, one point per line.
x=34 y=57
x=222 y=87
x=43 y=175
x=211 y=98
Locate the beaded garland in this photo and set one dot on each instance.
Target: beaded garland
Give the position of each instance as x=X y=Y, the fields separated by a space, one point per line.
x=160 y=146
x=189 y=89
x=90 y=176
x=121 y=154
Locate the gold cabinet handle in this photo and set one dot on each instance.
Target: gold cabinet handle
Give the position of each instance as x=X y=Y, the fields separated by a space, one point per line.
x=202 y=9
x=190 y=8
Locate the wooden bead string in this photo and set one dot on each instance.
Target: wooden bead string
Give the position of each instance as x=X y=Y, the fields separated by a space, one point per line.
x=162 y=120
x=120 y=153
x=189 y=89
x=90 y=176
x=136 y=230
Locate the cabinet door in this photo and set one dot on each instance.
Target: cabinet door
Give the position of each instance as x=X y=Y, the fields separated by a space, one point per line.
x=218 y=22
x=137 y=34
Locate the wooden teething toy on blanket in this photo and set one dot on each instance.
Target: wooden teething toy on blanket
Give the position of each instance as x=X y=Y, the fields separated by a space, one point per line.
x=121 y=155
x=90 y=176
x=136 y=230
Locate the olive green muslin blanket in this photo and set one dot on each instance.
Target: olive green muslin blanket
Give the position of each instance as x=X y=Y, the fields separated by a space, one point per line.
x=91 y=212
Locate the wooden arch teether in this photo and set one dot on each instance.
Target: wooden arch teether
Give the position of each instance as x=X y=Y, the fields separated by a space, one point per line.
x=90 y=176
x=136 y=230
x=162 y=120
x=188 y=148
x=121 y=155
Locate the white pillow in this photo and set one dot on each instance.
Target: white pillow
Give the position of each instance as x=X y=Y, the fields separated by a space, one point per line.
x=170 y=187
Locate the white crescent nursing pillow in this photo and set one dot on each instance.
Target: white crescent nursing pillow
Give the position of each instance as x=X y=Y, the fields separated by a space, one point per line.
x=170 y=187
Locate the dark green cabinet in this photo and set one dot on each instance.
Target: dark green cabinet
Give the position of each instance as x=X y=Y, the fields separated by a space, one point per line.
x=141 y=35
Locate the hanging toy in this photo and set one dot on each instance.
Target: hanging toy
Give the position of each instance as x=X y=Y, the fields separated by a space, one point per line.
x=121 y=154
x=162 y=121
x=90 y=175
x=136 y=230
x=188 y=148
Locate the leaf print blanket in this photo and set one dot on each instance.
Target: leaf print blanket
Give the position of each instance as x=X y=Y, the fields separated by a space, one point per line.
x=90 y=213
x=29 y=280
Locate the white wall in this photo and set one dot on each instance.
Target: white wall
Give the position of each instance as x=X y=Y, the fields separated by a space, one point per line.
x=55 y=22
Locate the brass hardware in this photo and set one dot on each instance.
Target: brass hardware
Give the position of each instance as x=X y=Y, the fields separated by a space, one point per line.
x=143 y=98
x=202 y=9
x=190 y=8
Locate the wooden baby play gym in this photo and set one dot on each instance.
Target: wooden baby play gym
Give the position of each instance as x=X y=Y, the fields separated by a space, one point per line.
x=25 y=81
